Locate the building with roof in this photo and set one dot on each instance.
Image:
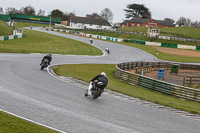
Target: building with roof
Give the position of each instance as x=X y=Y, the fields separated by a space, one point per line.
x=140 y=22
x=89 y=23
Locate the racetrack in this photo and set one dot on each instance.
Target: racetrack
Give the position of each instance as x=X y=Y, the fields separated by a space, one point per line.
x=27 y=91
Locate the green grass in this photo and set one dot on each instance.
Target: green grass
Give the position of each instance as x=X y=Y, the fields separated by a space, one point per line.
x=12 y=124
x=5 y=29
x=184 y=31
x=24 y=24
x=164 y=56
x=38 y=42
x=161 y=55
x=79 y=71
x=133 y=29
x=139 y=37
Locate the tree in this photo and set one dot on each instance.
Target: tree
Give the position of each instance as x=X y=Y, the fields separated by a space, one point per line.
x=72 y=14
x=169 y=20
x=57 y=14
x=11 y=10
x=137 y=11
x=107 y=14
x=188 y=22
x=66 y=16
x=1 y=10
x=181 y=21
x=41 y=12
x=93 y=15
x=195 y=24
x=28 y=10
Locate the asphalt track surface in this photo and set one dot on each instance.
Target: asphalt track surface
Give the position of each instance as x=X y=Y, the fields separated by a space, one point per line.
x=28 y=92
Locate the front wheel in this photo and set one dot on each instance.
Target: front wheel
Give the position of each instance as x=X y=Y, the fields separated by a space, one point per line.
x=98 y=94
x=42 y=67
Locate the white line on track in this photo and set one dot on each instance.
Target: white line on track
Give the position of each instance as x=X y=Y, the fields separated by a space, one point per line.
x=32 y=121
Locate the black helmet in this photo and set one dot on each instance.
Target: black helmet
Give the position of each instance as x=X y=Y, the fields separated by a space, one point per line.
x=50 y=54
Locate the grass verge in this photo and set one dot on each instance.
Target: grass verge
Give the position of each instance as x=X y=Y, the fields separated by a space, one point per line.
x=79 y=71
x=12 y=124
x=161 y=55
x=38 y=42
x=5 y=29
x=26 y=24
x=190 y=32
x=145 y=38
x=164 y=56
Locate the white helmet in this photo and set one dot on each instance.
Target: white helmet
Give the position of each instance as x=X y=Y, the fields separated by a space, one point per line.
x=103 y=73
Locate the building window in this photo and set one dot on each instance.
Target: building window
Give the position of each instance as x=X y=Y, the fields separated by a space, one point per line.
x=138 y=25
x=132 y=24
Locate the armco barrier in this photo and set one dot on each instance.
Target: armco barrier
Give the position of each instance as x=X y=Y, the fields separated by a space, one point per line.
x=198 y=48
x=6 y=37
x=157 y=85
x=169 y=45
x=1 y=38
x=153 y=43
x=186 y=47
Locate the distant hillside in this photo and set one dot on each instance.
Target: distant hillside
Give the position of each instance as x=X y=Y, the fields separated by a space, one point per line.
x=5 y=29
x=186 y=32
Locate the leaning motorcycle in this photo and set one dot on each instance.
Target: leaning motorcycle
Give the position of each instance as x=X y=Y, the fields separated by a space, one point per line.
x=107 y=50
x=95 y=90
x=44 y=64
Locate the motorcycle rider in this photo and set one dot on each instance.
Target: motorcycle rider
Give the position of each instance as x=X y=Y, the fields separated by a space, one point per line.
x=99 y=78
x=48 y=57
x=91 y=40
x=107 y=50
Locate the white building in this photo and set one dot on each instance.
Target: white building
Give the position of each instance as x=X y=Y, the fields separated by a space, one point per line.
x=89 y=23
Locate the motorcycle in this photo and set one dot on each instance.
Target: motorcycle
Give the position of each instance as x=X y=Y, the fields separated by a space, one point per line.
x=91 y=41
x=44 y=64
x=95 y=90
x=107 y=50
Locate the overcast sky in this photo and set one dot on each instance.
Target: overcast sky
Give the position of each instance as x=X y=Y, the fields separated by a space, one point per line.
x=160 y=9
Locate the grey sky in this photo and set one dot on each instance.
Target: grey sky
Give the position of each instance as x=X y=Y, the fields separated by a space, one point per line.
x=160 y=8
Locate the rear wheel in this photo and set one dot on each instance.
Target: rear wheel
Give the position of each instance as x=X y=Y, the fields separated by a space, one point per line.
x=86 y=93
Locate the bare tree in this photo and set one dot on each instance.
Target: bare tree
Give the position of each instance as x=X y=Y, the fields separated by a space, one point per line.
x=11 y=10
x=66 y=16
x=93 y=15
x=107 y=14
x=181 y=21
x=1 y=10
x=169 y=20
x=41 y=12
x=72 y=14
x=195 y=24
x=28 y=10
x=188 y=22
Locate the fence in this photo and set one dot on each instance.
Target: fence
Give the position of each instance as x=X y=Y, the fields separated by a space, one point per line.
x=191 y=80
x=154 y=84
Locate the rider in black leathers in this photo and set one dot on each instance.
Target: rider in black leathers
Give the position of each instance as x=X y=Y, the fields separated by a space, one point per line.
x=48 y=57
x=94 y=82
x=101 y=78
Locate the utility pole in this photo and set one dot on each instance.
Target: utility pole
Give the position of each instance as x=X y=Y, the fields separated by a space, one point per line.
x=50 y=19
